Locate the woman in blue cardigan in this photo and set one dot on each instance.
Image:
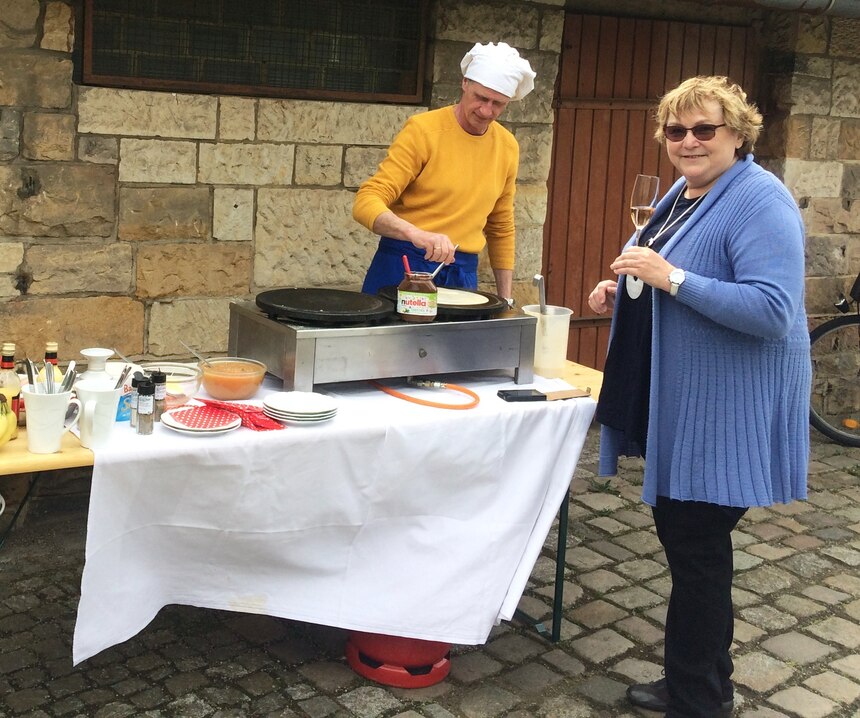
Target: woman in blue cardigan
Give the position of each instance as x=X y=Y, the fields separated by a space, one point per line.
x=708 y=373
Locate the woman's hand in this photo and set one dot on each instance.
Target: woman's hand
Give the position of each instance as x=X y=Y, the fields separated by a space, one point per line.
x=602 y=297
x=644 y=263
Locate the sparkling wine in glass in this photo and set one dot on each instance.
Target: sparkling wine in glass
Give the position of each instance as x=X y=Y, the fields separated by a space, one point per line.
x=643 y=200
x=642 y=203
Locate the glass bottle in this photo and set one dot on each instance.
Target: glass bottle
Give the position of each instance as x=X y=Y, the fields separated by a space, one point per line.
x=10 y=382
x=51 y=358
x=416 y=297
x=145 y=407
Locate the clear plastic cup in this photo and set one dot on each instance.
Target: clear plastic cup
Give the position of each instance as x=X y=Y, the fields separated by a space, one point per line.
x=550 y=339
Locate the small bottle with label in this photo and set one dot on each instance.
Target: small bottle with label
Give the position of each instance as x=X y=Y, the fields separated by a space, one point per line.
x=416 y=297
x=145 y=407
x=132 y=403
x=10 y=382
x=159 y=381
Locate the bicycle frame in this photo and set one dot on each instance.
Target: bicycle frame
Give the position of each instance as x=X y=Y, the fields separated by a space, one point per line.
x=835 y=352
x=844 y=304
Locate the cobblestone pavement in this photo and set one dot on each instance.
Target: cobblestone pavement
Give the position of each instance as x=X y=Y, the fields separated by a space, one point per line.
x=797 y=595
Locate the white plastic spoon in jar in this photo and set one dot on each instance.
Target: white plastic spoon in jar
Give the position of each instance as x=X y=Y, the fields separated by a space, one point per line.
x=442 y=264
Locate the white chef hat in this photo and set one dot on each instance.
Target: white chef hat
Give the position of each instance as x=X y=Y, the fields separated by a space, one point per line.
x=500 y=68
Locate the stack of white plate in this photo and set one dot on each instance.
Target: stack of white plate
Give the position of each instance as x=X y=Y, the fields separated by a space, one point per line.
x=300 y=407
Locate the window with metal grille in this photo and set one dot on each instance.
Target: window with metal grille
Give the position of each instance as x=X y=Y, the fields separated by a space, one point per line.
x=368 y=50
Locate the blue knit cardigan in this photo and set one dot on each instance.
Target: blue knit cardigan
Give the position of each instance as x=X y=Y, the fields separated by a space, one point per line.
x=730 y=367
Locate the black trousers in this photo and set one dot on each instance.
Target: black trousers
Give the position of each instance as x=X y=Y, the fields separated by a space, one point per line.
x=696 y=537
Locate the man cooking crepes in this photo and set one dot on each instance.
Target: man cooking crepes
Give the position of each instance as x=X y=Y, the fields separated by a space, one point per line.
x=449 y=179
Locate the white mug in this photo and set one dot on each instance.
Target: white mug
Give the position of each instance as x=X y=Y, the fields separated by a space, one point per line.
x=46 y=417
x=99 y=400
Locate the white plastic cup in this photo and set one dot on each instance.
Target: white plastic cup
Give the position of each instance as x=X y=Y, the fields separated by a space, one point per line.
x=99 y=401
x=46 y=416
x=550 y=339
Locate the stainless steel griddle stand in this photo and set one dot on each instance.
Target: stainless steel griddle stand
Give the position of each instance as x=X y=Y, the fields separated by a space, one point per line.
x=304 y=356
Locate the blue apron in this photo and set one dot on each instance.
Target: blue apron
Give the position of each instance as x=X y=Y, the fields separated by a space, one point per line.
x=386 y=269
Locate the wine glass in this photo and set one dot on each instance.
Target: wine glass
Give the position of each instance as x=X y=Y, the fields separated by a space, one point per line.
x=642 y=201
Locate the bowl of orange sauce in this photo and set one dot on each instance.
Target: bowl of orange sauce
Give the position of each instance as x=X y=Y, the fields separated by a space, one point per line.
x=229 y=378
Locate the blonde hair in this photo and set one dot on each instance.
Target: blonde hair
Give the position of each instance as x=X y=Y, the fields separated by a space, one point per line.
x=739 y=115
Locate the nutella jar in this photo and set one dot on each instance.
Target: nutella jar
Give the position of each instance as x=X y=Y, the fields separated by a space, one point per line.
x=416 y=297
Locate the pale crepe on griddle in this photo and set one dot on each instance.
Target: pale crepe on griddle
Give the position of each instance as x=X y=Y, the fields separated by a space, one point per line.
x=459 y=298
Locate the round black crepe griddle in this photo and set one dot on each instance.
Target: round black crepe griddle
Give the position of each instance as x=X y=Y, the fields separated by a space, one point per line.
x=494 y=305
x=324 y=306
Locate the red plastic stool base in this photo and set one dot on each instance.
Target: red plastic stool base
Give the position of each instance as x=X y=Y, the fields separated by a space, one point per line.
x=400 y=676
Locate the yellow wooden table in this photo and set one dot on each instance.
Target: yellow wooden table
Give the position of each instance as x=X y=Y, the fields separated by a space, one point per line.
x=16 y=459
x=583 y=377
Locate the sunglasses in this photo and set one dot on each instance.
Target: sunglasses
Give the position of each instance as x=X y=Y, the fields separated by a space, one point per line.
x=703 y=133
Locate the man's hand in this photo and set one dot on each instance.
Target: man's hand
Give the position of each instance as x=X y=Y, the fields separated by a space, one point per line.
x=437 y=247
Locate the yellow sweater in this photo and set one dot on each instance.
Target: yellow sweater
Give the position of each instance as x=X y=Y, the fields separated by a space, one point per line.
x=442 y=179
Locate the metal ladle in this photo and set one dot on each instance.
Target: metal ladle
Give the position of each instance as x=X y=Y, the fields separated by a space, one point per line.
x=539 y=283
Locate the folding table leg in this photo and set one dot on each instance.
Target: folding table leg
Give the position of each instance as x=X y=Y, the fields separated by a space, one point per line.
x=560 y=555
x=558 y=594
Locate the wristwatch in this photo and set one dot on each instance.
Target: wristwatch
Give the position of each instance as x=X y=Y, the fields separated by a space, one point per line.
x=510 y=301
x=676 y=279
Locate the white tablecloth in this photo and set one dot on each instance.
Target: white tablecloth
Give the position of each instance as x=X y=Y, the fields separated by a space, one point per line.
x=392 y=518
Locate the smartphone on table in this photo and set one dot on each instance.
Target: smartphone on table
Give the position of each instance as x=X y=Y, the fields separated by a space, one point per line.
x=522 y=395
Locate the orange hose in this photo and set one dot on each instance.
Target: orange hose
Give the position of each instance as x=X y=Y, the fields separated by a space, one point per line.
x=424 y=402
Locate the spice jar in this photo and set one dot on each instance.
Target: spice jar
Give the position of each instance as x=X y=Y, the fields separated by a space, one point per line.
x=416 y=297
x=145 y=406
x=159 y=381
x=135 y=382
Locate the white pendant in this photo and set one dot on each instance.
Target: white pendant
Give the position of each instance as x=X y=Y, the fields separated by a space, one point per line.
x=634 y=286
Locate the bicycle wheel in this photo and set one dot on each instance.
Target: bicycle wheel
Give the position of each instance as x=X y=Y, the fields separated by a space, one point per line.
x=834 y=407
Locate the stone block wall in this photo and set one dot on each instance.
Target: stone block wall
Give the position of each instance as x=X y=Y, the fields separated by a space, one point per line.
x=131 y=219
x=812 y=141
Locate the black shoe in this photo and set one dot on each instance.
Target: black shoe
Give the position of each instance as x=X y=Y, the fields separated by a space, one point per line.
x=655 y=697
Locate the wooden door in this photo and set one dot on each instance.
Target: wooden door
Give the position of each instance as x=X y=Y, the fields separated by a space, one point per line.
x=613 y=71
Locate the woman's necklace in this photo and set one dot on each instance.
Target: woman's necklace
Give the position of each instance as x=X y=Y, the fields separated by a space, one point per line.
x=667 y=225
x=634 y=285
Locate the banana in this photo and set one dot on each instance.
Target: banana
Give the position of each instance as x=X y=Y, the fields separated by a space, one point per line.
x=8 y=420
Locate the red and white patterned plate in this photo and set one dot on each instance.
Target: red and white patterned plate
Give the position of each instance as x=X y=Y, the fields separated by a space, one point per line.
x=201 y=419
